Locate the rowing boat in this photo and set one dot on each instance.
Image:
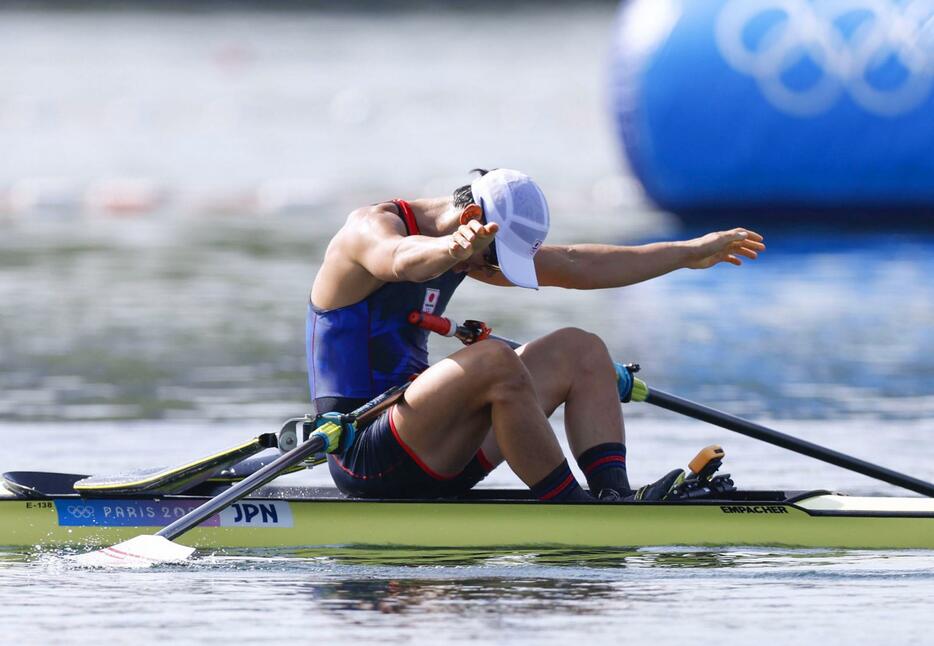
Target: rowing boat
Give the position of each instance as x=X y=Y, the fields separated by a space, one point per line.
x=286 y=518
x=226 y=501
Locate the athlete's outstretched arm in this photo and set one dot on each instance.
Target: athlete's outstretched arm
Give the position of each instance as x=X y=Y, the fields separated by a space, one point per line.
x=597 y=266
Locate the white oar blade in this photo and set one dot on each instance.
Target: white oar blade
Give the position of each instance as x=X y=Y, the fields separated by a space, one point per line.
x=139 y=552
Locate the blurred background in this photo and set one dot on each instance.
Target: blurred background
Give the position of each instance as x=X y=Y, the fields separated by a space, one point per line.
x=170 y=177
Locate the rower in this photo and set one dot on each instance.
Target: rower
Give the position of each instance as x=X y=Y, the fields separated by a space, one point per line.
x=487 y=403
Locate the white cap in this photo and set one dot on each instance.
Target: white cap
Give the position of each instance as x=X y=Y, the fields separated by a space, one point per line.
x=515 y=202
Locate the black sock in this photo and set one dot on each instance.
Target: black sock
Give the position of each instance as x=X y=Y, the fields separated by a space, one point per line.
x=605 y=468
x=560 y=486
x=476 y=470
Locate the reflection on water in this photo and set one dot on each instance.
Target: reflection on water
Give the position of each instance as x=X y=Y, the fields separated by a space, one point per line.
x=415 y=557
x=505 y=564
x=15 y=556
x=417 y=596
x=537 y=596
x=570 y=563
x=543 y=557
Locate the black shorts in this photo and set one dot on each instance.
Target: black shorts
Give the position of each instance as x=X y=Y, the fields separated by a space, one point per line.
x=380 y=465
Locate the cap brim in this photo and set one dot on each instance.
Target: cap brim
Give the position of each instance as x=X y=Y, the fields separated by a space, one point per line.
x=515 y=254
x=519 y=269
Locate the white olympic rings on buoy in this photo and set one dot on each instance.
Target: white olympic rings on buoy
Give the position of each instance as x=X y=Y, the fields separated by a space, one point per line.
x=845 y=42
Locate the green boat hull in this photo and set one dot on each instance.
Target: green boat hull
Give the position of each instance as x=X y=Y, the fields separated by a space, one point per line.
x=501 y=519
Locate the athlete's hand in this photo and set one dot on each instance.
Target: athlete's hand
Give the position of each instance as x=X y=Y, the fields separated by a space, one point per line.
x=471 y=238
x=724 y=246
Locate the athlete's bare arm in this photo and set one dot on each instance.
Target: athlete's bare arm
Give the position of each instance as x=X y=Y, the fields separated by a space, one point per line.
x=372 y=248
x=598 y=266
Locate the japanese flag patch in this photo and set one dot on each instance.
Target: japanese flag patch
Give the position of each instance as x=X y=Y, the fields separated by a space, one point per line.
x=431 y=300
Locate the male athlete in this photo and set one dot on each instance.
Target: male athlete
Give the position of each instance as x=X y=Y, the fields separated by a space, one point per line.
x=485 y=403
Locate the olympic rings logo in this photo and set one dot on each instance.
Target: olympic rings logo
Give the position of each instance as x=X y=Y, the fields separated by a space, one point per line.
x=81 y=511
x=805 y=55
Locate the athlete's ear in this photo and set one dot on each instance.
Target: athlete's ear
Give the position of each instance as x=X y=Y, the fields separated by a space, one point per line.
x=471 y=212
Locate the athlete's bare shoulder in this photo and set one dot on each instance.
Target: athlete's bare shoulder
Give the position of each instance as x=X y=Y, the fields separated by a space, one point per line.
x=343 y=279
x=363 y=227
x=383 y=218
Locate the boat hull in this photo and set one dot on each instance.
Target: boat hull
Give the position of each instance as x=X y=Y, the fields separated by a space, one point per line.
x=298 y=522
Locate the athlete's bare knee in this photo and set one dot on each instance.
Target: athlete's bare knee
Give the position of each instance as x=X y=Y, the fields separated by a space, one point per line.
x=511 y=386
x=494 y=355
x=580 y=344
x=503 y=371
x=583 y=353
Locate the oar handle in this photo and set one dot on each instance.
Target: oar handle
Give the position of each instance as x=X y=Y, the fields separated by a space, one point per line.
x=437 y=324
x=468 y=332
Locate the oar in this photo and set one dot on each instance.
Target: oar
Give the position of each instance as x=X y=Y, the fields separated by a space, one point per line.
x=473 y=331
x=751 y=429
x=151 y=549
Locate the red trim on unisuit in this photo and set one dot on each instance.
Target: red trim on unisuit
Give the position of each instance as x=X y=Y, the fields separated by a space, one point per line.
x=405 y=447
x=484 y=462
x=409 y=216
x=360 y=476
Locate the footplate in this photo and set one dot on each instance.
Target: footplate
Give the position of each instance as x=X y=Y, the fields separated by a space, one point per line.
x=702 y=482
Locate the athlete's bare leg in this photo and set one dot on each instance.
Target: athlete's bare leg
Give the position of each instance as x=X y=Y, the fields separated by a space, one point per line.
x=449 y=409
x=451 y=406
x=573 y=367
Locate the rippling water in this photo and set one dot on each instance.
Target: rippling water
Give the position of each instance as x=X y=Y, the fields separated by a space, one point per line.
x=642 y=597
x=127 y=343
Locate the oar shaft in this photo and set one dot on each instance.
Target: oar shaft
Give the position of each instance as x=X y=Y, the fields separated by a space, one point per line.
x=370 y=410
x=274 y=469
x=512 y=344
x=243 y=488
x=750 y=429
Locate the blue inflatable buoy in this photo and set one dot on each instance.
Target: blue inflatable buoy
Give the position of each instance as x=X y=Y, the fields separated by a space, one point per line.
x=794 y=109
